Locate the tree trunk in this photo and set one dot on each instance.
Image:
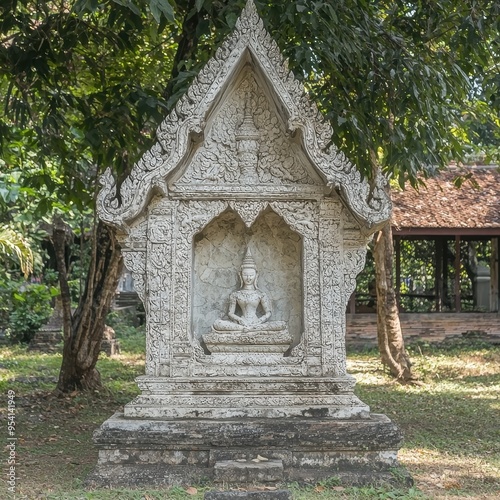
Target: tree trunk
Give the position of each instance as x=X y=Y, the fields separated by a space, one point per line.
x=389 y=333
x=186 y=46
x=84 y=329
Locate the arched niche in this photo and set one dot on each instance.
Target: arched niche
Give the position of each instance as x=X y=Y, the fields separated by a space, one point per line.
x=218 y=252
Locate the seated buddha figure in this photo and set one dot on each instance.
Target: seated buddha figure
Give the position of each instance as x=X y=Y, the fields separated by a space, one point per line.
x=248 y=298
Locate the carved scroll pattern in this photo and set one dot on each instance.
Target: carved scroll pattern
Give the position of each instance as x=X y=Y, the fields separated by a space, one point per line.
x=331 y=303
x=160 y=230
x=192 y=217
x=224 y=370
x=133 y=242
x=354 y=262
x=373 y=206
x=173 y=133
x=250 y=359
x=248 y=210
x=303 y=217
x=217 y=160
x=135 y=261
x=355 y=243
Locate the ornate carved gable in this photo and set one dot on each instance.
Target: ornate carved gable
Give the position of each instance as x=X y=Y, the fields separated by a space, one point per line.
x=206 y=128
x=246 y=148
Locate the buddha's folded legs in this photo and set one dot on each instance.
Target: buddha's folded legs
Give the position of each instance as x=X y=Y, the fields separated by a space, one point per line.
x=222 y=325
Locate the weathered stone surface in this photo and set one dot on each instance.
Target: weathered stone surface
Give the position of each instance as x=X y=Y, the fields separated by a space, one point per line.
x=244 y=230
x=46 y=341
x=140 y=451
x=244 y=162
x=250 y=342
x=145 y=475
x=216 y=406
x=217 y=259
x=49 y=337
x=110 y=347
x=248 y=471
x=250 y=495
x=315 y=434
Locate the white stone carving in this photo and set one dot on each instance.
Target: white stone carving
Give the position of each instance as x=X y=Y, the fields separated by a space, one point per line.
x=247 y=144
x=369 y=204
x=229 y=172
x=249 y=298
x=248 y=332
x=248 y=210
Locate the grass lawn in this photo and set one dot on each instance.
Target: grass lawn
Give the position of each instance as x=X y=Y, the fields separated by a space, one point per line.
x=451 y=423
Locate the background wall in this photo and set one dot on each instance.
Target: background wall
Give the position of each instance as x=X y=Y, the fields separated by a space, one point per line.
x=218 y=253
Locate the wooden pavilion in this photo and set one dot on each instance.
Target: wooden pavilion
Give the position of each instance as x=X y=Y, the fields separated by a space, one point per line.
x=459 y=294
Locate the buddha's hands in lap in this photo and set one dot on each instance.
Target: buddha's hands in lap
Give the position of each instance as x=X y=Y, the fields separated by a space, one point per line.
x=237 y=319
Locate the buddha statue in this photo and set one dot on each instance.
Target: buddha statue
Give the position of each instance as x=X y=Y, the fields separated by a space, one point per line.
x=249 y=298
x=248 y=333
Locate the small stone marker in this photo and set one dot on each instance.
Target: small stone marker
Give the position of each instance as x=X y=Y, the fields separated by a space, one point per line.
x=49 y=336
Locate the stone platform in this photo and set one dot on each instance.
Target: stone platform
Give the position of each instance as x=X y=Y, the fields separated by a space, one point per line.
x=251 y=397
x=155 y=452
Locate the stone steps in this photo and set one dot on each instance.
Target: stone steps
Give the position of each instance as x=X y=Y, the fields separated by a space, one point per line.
x=248 y=471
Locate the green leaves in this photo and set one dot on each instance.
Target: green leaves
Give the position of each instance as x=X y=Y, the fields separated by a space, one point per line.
x=81 y=91
x=392 y=79
x=159 y=7
x=14 y=243
x=130 y=5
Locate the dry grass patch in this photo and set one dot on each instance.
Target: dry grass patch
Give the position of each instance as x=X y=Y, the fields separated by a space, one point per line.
x=452 y=435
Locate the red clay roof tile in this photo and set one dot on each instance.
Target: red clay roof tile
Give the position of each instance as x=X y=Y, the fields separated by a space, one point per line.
x=442 y=205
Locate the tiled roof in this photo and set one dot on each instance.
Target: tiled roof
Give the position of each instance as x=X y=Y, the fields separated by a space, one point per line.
x=442 y=205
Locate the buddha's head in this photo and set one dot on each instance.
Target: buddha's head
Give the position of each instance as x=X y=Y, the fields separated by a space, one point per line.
x=248 y=271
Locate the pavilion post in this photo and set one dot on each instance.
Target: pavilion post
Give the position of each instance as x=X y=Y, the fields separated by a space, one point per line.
x=457 y=274
x=494 y=274
x=446 y=293
x=351 y=306
x=439 y=273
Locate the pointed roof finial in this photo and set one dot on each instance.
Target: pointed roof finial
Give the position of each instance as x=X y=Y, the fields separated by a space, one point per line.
x=250 y=6
x=247 y=130
x=249 y=15
x=248 y=261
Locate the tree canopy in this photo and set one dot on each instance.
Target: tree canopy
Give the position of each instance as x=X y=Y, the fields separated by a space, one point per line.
x=407 y=85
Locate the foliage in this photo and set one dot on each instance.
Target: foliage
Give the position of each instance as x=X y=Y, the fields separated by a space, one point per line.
x=12 y=242
x=85 y=82
x=85 y=85
x=79 y=90
x=24 y=308
x=401 y=81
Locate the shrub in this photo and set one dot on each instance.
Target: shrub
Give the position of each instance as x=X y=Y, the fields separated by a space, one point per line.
x=24 y=308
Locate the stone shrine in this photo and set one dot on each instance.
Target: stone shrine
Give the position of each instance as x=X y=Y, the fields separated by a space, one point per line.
x=244 y=229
